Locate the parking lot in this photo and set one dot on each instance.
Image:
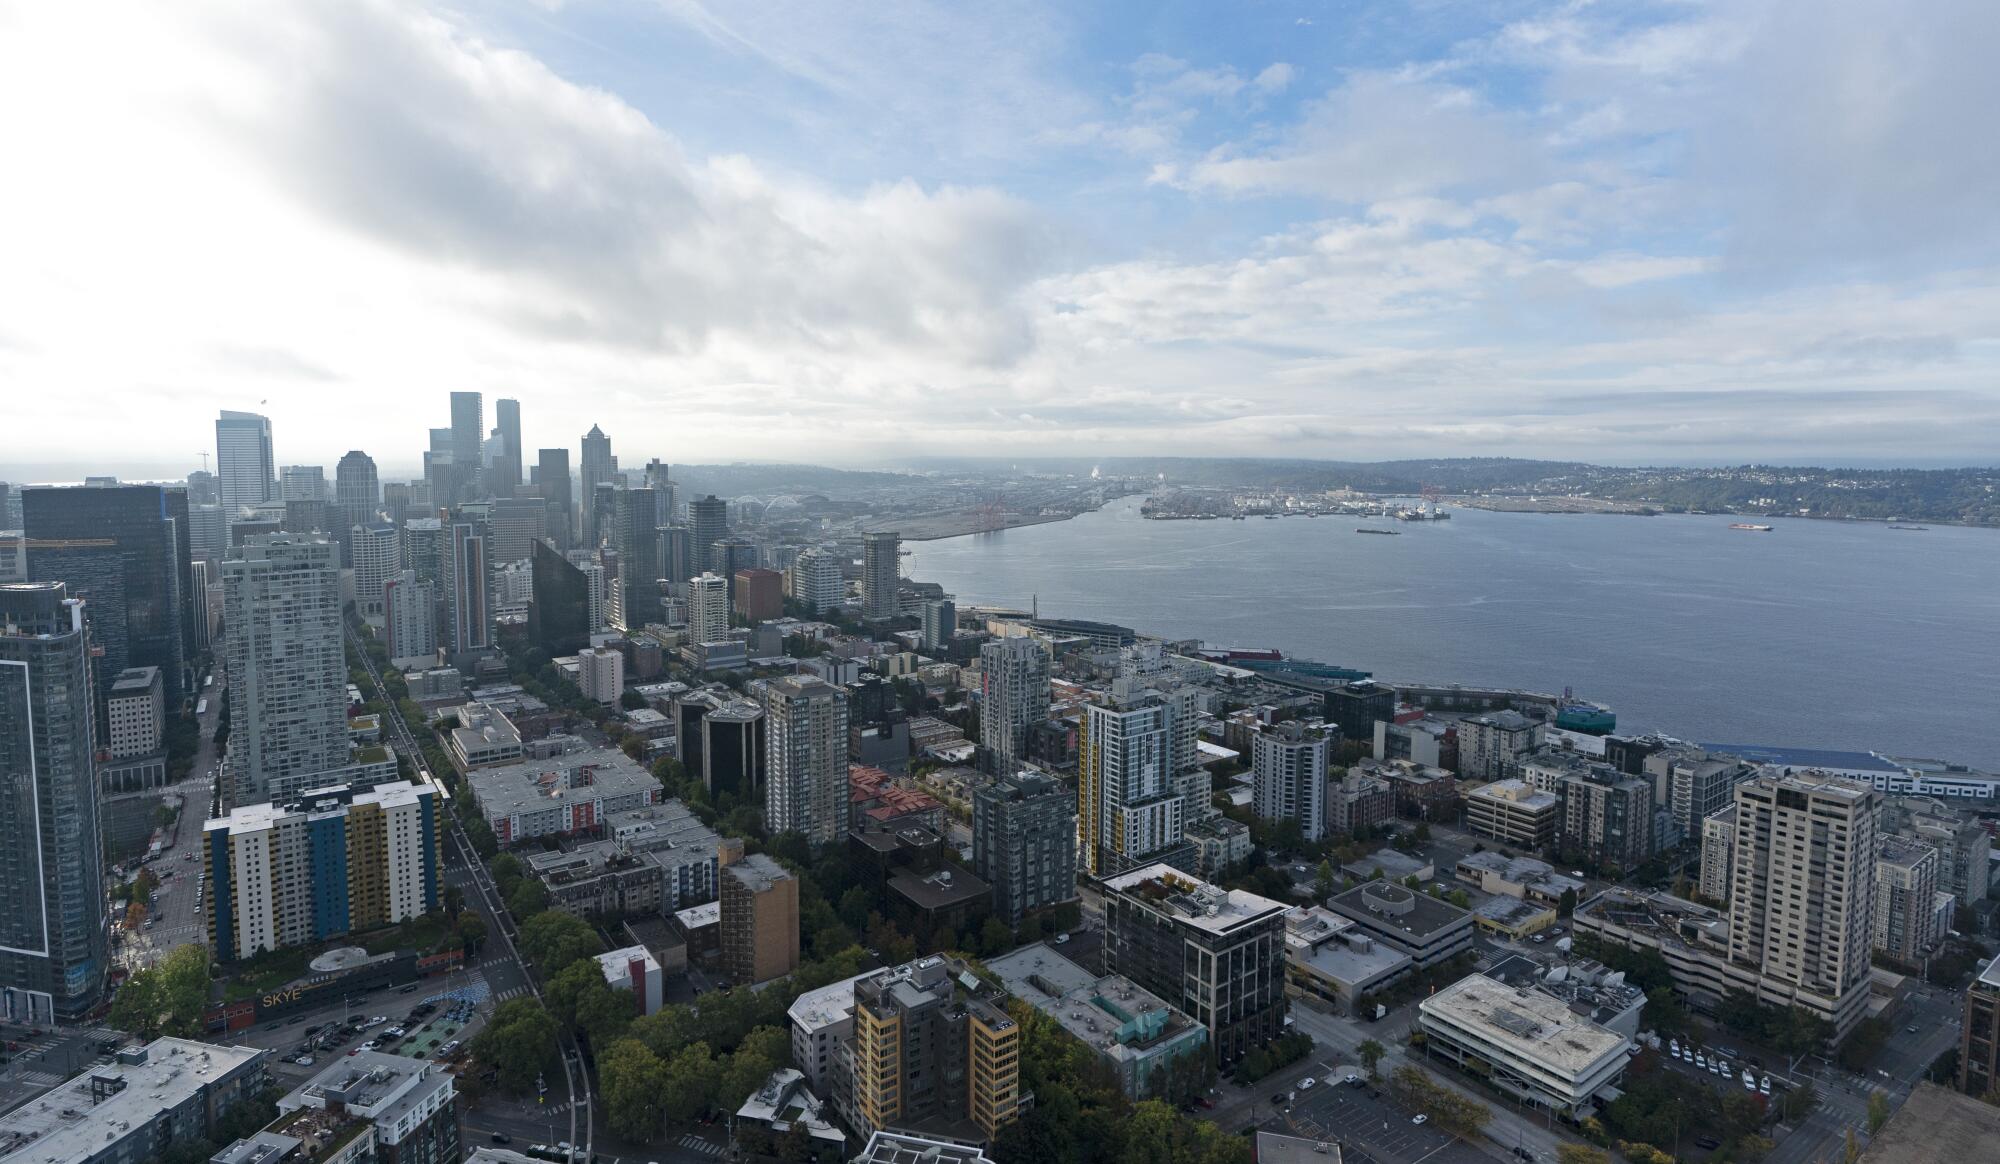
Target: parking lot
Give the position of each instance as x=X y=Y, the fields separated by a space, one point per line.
x=1370 y=1127
x=446 y=1016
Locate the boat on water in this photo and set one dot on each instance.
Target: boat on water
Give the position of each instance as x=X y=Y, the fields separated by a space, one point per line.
x=1892 y=526
x=1394 y=533
x=1752 y=526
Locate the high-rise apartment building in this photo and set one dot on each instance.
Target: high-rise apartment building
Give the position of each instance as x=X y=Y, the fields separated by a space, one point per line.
x=1906 y=900
x=1288 y=767
x=1129 y=808
x=468 y=432
x=597 y=467
x=506 y=471
x=208 y=532
x=1024 y=843
x=933 y=1043
x=123 y=549
x=337 y=861
x=53 y=954
x=805 y=789
x=468 y=617
x=1802 y=893
x=377 y=551
x=760 y=920
x=1605 y=818
x=424 y=549
x=1216 y=954
x=287 y=668
x=816 y=582
x=516 y=523
x=708 y=523
x=940 y=624
x=138 y=713
x=552 y=476
x=1695 y=783
x=1979 y=1033
x=601 y=674
x=708 y=608
x=409 y=617
x=1013 y=698
x=759 y=594
x=246 y=473
x=881 y=574
x=1491 y=746
x=1718 y=854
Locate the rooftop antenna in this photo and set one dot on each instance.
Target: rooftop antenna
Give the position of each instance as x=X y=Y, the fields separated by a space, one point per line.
x=1034 y=606
x=204 y=462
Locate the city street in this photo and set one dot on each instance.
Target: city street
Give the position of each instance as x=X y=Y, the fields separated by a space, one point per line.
x=176 y=919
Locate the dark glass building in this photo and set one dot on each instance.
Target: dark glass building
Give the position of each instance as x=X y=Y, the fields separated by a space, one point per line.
x=53 y=955
x=145 y=618
x=559 y=617
x=708 y=523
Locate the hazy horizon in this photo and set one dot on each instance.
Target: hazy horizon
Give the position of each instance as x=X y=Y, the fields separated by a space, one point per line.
x=1626 y=233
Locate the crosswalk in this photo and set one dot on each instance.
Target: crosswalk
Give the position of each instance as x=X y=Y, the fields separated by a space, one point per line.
x=511 y=992
x=697 y=1144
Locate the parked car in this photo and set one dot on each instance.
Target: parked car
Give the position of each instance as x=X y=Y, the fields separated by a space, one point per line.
x=1420 y=1118
x=1308 y=1083
x=500 y=1139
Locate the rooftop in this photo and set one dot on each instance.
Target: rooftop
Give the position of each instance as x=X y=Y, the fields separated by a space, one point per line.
x=757 y=872
x=901 y=1148
x=135 y=681
x=1527 y=1022
x=1385 y=905
x=1277 y=1148
x=1809 y=758
x=315 y=802
x=785 y=1101
x=372 y=1084
x=1517 y=793
x=1111 y=1014
x=823 y=1007
x=1936 y=1125
x=72 y=1120
x=533 y=785
x=1510 y=911
x=1192 y=901
x=694 y=918
x=1903 y=852
x=939 y=890
x=1587 y=986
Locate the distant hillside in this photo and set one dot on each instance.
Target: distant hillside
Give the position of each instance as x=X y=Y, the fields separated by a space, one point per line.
x=739 y=480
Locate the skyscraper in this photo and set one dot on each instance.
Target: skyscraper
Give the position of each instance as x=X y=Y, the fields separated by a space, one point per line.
x=816 y=581
x=507 y=467
x=468 y=429
x=708 y=608
x=708 y=519
x=940 y=623
x=465 y=594
x=552 y=474
x=1024 y=843
x=121 y=548
x=1802 y=892
x=676 y=553
x=1289 y=769
x=53 y=957
x=598 y=467
x=881 y=573
x=409 y=617
x=1128 y=807
x=635 y=534
x=287 y=670
x=377 y=552
x=302 y=483
x=559 y=618
x=805 y=790
x=246 y=471
x=357 y=491
x=1013 y=697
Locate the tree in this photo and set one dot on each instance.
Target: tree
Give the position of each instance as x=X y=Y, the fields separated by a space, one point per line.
x=1371 y=1053
x=633 y=1081
x=688 y=1088
x=994 y=937
x=1566 y=905
x=1323 y=884
x=168 y=999
x=529 y=898
x=566 y=988
x=519 y=1043
x=631 y=701
x=471 y=931
x=454 y=901
x=552 y=940
x=1567 y=1153
x=507 y=873
x=1878 y=1111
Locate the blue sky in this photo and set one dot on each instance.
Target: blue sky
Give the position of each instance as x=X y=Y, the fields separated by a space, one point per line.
x=1677 y=231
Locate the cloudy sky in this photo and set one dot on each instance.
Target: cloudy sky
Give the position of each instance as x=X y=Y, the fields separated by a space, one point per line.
x=839 y=232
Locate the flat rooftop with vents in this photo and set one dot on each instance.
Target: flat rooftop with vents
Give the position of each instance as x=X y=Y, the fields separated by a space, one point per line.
x=1537 y=1048
x=1199 y=904
x=1130 y=1028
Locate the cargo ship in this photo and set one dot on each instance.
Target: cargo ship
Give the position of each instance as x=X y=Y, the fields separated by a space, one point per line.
x=1750 y=526
x=1390 y=532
